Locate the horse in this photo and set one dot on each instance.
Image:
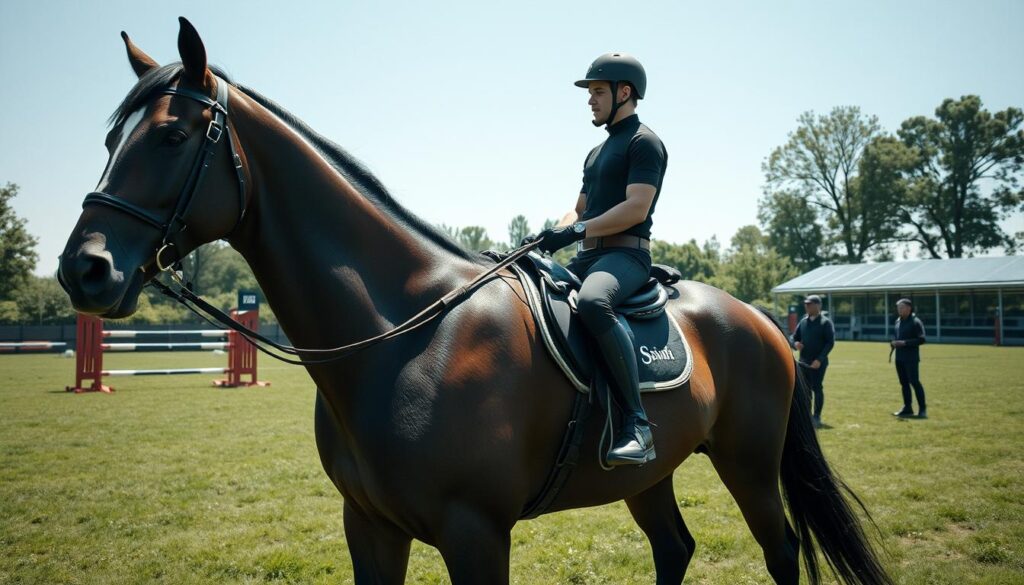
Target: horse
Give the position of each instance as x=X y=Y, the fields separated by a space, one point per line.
x=443 y=434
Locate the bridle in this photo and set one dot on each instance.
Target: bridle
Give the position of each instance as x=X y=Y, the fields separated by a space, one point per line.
x=217 y=129
x=176 y=224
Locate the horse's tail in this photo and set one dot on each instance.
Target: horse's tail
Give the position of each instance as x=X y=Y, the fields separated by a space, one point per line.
x=816 y=501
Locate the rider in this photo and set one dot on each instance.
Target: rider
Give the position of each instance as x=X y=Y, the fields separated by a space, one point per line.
x=622 y=179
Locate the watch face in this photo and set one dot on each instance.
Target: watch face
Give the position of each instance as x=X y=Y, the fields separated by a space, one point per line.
x=579 y=227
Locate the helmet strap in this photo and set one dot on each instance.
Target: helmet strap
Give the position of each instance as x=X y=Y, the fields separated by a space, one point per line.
x=615 y=107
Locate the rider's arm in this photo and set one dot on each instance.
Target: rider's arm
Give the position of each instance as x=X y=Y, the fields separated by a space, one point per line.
x=574 y=215
x=625 y=215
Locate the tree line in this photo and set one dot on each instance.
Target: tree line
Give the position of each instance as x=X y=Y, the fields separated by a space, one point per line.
x=841 y=190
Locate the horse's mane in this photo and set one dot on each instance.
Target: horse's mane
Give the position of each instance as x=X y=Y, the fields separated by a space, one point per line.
x=153 y=82
x=354 y=172
x=361 y=177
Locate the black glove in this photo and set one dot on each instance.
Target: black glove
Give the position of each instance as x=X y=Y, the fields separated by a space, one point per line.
x=555 y=238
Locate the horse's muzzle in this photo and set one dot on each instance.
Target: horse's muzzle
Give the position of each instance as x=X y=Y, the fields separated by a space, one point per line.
x=95 y=285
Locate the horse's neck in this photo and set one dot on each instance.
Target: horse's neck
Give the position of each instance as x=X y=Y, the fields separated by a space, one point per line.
x=334 y=266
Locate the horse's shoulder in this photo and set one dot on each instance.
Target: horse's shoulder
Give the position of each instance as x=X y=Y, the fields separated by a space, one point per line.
x=496 y=309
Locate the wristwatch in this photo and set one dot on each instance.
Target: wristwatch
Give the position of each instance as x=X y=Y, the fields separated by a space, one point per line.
x=580 y=229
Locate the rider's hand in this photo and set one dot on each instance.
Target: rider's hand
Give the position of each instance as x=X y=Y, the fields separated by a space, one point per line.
x=798 y=346
x=554 y=239
x=815 y=365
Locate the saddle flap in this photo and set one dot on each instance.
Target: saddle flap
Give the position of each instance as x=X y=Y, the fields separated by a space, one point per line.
x=663 y=356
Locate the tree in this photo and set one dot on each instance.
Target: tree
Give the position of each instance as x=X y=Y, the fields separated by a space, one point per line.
x=819 y=164
x=748 y=236
x=214 y=270
x=471 y=237
x=42 y=301
x=792 y=229
x=518 y=229
x=475 y=238
x=690 y=259
x=751 y=268
x=882 y=188
x=17 y=247
x=197 y=266
x=966 y=177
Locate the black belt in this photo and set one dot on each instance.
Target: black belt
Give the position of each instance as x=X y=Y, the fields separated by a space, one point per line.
x=616 y=241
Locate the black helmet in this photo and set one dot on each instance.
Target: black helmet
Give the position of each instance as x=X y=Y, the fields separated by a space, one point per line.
x=615 y=67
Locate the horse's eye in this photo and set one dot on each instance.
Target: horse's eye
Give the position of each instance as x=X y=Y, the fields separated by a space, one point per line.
x=175 y=138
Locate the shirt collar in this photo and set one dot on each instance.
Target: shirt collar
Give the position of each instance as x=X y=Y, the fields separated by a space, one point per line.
x=629 y=122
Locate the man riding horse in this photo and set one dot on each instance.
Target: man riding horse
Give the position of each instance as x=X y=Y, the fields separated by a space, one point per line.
x=434 y=432
x=622 y=179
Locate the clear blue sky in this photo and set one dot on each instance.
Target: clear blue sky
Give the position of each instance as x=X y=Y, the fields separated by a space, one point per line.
x=466 y=110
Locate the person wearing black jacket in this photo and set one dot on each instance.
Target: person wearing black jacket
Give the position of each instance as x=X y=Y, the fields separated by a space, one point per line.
x=814 y=338
x=906 y=342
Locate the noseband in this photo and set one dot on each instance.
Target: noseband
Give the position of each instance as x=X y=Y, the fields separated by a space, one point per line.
x=176 y=224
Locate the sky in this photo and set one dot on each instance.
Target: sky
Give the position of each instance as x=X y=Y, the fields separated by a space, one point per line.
x=466 y=110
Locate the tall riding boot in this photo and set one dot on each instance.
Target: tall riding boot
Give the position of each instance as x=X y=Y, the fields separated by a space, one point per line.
x=635 y=444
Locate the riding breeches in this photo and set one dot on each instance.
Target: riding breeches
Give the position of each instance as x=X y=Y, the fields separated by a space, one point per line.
x=609 y=277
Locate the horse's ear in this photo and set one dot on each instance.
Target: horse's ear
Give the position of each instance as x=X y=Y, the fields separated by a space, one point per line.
x=141 y=62
x=193 y=54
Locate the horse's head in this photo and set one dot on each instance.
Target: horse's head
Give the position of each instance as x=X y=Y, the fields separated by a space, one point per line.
x=173 y=181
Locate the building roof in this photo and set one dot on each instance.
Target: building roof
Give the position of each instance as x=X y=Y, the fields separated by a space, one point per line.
x=955 y=273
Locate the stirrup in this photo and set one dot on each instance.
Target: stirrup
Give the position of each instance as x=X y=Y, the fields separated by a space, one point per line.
x=622 y=455
x=615 y=460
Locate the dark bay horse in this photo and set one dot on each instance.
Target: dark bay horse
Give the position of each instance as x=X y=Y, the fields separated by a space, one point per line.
x=444 y=434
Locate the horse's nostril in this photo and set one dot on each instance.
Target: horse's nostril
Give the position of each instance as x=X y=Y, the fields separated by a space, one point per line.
x=94 y=273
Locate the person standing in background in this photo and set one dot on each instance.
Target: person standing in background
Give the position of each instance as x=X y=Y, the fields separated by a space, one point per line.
x=907 y=339
x=814 y=338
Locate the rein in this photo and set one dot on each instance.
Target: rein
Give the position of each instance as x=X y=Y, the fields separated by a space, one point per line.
x=217 y=128
x=199 y=306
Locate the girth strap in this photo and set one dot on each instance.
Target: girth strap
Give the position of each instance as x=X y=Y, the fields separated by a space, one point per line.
x=565 y=462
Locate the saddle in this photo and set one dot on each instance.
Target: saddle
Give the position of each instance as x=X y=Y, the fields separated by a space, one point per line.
x=663 y=356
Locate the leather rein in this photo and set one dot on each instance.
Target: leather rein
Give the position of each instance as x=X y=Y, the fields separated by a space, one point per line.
x=218 y=128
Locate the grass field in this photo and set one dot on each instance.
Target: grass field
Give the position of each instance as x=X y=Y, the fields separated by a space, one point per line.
x=171 y=481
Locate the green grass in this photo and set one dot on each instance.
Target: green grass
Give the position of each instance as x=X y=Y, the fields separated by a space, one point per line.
x=171 y=481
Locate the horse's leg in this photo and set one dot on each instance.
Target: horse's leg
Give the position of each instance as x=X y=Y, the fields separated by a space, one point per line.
x=475 y=548
x=380 y=552
x=657 y=514
x=752 y=478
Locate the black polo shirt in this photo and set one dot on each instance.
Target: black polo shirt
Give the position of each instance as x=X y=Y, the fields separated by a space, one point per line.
x=632 y=153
